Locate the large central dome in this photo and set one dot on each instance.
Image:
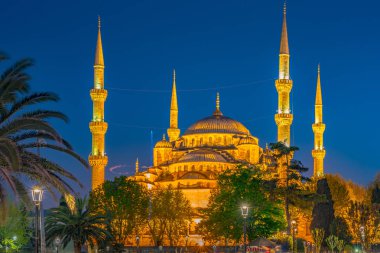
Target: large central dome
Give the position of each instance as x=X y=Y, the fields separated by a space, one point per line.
x=217 y=124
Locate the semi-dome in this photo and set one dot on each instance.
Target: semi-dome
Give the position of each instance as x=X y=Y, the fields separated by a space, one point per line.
x=217 y=124
x=202 y=156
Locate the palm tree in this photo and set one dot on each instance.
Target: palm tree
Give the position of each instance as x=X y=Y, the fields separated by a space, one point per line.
x=80 y=225
x=24 y=130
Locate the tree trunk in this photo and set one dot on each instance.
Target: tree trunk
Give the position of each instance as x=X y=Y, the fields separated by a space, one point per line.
x=287 y=213
x=77 y=247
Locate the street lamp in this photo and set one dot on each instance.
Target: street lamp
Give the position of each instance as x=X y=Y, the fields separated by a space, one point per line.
x=294 y=231
x=137 y=242
x=37 y=194
x=244 y=213
x=57 y=242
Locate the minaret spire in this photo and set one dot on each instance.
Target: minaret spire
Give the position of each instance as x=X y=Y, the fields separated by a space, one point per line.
x=98 y=127
x=318 y=127
x=173 y=130
x=284 y=85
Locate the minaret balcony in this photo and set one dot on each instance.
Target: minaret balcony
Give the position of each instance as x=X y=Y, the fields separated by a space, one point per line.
x=98 y=160
x=318 y=153
x=284 y=85
x=283 y=119
x=98 y=94
x=319 y=128
x=98 y=127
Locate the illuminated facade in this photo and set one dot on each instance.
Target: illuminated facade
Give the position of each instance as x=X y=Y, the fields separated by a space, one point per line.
x=98 y=159
x=192 y=161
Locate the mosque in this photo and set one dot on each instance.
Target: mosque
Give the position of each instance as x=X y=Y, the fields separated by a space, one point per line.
x=192 y=161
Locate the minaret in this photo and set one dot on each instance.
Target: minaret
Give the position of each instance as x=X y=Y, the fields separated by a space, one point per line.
x=319 y=127
x=173 y=130
x=98 y=127
x=284 y=84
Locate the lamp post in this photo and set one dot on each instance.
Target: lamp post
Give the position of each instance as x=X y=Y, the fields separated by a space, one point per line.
x=294 y=231
x=37 y=194
x=244 y=213
x=137 y=242
x=57 y=242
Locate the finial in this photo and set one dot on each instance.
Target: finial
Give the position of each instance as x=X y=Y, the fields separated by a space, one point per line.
x=137 y=165
x=217 y=102
x=319 y=68
x=99 y=22
x=174 y=76
x=163 y=137
x=217 y=110
x=284 y=7
x=266 y=146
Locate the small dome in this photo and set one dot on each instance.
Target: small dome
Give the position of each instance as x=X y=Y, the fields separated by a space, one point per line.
x=247 y=140
x=163 y=143
x=202 y=156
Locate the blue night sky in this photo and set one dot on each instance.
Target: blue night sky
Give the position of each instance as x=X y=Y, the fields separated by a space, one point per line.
x=226 y=46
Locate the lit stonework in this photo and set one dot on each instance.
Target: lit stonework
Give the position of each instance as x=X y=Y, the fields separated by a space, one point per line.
x=319 y=127
x=98 y=159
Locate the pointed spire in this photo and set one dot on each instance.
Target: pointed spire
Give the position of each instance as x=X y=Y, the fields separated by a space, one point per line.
x=174 y=104
x=137 y=165
x=284 y=46
x=99 y=60
x=318 y=96
x=217 y=110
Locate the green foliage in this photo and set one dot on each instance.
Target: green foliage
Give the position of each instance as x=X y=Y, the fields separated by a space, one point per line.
x=242 y=186
x=318 y=237
x=125 y=203
x=80 y=225
x=339 y=227
x=323 y=211
x=170 y=215
x=340 y=245
x=14 y=227
x=332 y=242
x=24 y=129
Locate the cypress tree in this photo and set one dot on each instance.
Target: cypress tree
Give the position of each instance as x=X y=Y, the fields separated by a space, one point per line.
x=323 y=211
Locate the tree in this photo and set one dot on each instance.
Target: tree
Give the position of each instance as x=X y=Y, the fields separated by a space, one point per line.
x=323 y=211
x=340 y=245
x=125 y=203
x=242 y=186
x=24 y=130
x=290 y=182
x=80 y=225
x=318 y=237
x=14 y=227
x=339 y=193
x=332 y=242
x=170 y=215
x=363 y=222
x=339 y=227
